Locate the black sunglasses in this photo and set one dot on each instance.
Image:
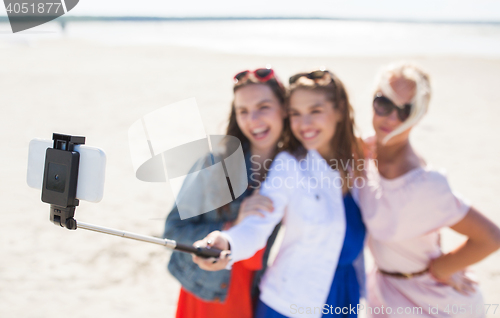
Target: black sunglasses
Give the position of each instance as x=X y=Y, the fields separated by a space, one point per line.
x=315 y=75
x=383 y=106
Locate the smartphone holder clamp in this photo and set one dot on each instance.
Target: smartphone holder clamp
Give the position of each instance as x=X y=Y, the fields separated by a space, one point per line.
x=60 y=179
x=59 y=189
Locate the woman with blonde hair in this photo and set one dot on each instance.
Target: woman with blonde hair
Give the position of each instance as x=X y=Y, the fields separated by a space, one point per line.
x=404 y=205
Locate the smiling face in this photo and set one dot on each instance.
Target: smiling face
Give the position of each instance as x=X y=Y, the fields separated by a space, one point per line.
x=313 y=120
x=404 y=90
x=259 y=115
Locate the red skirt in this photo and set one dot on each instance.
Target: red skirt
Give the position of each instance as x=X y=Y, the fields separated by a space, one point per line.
x=238 y=301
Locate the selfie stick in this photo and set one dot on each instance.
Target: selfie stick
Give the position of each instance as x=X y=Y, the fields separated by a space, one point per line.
x=59 y=190
x=202 y=252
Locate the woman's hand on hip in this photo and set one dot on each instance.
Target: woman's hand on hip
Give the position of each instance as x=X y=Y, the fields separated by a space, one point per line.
x=458 y=280
x=461 y=283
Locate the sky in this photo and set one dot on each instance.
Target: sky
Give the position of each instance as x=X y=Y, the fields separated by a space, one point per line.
x=422 y=10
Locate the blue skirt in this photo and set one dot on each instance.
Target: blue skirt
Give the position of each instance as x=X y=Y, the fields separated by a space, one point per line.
x=342 y=300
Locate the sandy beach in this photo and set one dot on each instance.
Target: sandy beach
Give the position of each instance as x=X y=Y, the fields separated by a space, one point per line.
x=87 y=88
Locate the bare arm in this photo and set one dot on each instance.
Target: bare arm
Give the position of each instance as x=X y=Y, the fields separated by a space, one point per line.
x=483 y=239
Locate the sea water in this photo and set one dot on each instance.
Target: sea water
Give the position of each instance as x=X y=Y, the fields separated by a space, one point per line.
x=282 y=37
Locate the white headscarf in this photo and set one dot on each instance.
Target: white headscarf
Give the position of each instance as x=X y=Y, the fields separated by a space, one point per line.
x=420 y=102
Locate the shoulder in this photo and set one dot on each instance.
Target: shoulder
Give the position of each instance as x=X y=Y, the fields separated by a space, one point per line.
x=419 y=183
x=284 y=155
x=439 y=199
x=203 y=161
x=285 y=161
x=433 y=178
x=424 y=185
x=368 y=146
x=370 y=140
x=284 y=166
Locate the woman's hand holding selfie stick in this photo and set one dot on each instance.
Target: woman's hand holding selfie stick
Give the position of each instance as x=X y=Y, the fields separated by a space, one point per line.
x=253 y=205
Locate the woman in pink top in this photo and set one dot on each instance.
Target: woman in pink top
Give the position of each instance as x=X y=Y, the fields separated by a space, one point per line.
x=405 y=203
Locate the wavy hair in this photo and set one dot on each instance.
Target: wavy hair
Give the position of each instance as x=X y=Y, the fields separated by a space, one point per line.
x=234 y=130
x=346 y=146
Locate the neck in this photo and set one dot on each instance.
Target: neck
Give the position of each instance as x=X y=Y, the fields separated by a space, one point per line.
x=259 y=163
x=327 y=155
x=262 y=154
x=393 y=151
x=326 y=152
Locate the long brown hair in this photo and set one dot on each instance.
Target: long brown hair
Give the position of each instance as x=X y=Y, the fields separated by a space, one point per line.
x=346 y=147
x=232 y=127
x=234 y=130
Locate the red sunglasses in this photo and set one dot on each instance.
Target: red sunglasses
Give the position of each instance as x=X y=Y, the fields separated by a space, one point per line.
x=261 y=74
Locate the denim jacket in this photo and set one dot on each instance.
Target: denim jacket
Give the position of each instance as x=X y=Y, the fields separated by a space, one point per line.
x=210 y=286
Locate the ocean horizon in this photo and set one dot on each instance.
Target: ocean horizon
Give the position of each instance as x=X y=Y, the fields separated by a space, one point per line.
x=157 y=18
x=276 y=37
x=395 y=10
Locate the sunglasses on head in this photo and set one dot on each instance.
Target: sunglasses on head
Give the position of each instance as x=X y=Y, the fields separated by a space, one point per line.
x=383 y=106
x=261 y=74
x=315 y=76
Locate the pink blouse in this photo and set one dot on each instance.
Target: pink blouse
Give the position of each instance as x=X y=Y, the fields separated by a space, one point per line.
x=402 y=216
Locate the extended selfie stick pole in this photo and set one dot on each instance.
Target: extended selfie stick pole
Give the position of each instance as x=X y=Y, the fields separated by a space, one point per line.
x=202 y=252
x=59 y=190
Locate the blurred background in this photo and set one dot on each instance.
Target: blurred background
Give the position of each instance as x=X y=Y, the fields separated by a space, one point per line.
x=104 y=65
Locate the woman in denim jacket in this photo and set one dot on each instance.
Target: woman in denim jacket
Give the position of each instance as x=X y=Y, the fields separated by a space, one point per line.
x=257 y=118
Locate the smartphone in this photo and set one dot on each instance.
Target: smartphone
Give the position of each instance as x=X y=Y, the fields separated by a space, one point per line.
x=91 y=170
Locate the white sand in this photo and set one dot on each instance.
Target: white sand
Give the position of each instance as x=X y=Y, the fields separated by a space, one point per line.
x=98 y=91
